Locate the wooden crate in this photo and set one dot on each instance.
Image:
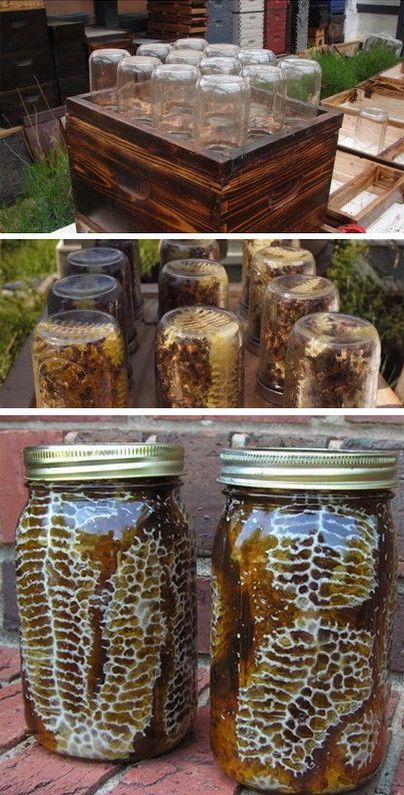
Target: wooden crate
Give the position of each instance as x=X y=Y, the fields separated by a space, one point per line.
x=128 y=177
x=18 y=388
x=393 y=77
x=370 y=94
x=369 y=196
x=347 y=49
x=177 y=18
x=392 y=154
x=100 y=38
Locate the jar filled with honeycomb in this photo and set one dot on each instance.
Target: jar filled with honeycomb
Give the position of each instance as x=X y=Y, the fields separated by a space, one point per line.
x=192 y=281
x=91 y=291
x=106 y=597
x=112 y=262
x=199 y=359
x=332 y=361
x=131 y=250
x=172 y=249
x=304 y=580
x=286 y=299
x=250 y=248
x=79 y=361
x=265 y=266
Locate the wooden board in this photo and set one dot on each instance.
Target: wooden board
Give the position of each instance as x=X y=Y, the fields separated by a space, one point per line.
x=369 y=95
x=368 y=195
x=394 y=142
x=128 y=176
x=393 y=77
x=18 y=389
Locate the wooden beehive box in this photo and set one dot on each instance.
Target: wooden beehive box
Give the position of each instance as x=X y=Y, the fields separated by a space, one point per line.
x=371 y=94
x=128 y=177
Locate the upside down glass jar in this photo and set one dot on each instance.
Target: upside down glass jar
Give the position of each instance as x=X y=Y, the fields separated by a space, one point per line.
x=303 y=602
x=114 y=263
x=132 y=251
x=286 y=299
x=267 y=265
x=250 y=248
x=332 y=361
x=79 y=360
x=172 y=249
x=199 y=359
x=192 y=281
x=106 y=597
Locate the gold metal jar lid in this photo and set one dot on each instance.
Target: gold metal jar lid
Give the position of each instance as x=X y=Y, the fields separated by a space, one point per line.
x=103 y=461
x=311 y=469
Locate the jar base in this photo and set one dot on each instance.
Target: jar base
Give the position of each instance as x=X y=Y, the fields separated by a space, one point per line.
x=270 y=395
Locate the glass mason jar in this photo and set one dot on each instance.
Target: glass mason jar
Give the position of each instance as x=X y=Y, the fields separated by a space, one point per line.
x=256 y=56
x=222 y=109
x=191 y=43
x=199 y=359
x=173 y=97
x=114 y=263
x=186 y=56
x=134 y=87
x=332 y=361
x=251 y=247
x=103 y=67
x=79 y=361
x=286 y=299
x=172 y=249
x=131 y=250
x=63 y=249
x=219 y=66
x=303 y=602
x=91 y=291
x=267 y=107
x=106 y=596
x=192 y=281
x=370 y=130
x=222 y=51
x=265 y=266
x=155 y=49
x=303 y=88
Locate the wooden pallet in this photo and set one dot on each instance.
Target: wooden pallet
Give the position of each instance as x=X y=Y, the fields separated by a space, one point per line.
x=18 y=389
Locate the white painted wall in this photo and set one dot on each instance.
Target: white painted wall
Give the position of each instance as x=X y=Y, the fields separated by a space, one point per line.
x=360 y=26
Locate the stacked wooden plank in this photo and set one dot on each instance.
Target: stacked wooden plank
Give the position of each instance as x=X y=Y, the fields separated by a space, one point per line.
x=170 y=20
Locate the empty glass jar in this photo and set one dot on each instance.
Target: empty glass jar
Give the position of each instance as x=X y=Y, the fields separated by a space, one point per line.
x=173 y=249
x=173 y=97
x=303 y=89
x=219 y=66
x=191 y=44
x=108 y=630
x=266 y=265
x=256 y=56
x=134 y=86
x=79 y=361
x=103 y=67
x=191 y=57
x=114 y=263
x=286 y=299
x=303 y=602
x=155 y=49
x=192 y=281
x=370 y=130
x=199 y=359
x=332 y=361
x=222 y=50
x=221 y=112
x=267 y=106
x=131 y=250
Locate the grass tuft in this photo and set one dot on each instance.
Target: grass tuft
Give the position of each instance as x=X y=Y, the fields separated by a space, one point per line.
x=342 y=73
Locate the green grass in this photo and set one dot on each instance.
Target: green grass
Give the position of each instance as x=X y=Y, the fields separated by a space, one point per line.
x=28 y=261
x=46 y=201
x=149 y=254
x=342 y=73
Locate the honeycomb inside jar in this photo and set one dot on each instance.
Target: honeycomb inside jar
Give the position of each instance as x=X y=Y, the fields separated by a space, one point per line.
x=250 y=248
x=286 y=299
x=79 y=361
x=199 y=359
x=332 y=361
x=192 y=281
x=266 y=265
x=172 y=249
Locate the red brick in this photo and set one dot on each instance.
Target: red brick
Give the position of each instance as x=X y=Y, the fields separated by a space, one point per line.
x=204 y=605
x=9 y=663
x=33 y=769
x=187 y=769
x=13 y=728
x=12 y=489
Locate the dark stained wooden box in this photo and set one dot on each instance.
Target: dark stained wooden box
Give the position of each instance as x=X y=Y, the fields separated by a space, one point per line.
x=128 y=177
